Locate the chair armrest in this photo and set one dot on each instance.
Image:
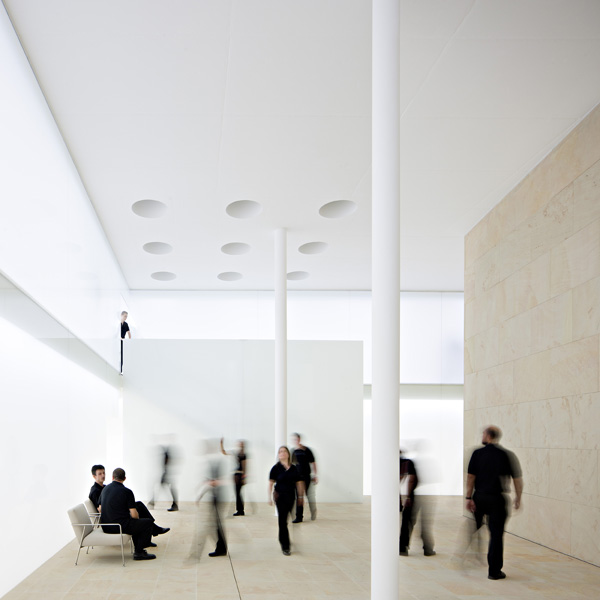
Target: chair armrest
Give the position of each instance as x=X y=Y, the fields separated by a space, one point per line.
x=100 y=524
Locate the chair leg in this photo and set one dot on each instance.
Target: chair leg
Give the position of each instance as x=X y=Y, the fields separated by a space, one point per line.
x=77 y=559
x=122 y=551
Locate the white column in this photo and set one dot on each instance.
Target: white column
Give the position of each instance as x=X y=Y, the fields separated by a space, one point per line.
x=386 y=299
x=280 y=338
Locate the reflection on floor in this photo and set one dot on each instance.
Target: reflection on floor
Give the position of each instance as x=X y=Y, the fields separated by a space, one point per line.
x=330 y=559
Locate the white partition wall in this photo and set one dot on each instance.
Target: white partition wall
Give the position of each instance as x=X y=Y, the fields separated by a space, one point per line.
x=59 y=406
x=431 y=335
x=204 y=389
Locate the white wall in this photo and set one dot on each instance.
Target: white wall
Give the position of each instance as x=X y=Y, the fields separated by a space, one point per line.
x=56 y=417
x=200 y=389
x=431 y=433
x=51 y=242
x=431 y=324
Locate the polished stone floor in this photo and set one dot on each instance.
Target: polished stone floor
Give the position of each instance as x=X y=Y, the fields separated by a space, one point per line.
x=330 y=559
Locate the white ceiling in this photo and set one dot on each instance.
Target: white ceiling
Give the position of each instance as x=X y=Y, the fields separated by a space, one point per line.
x=202 y=103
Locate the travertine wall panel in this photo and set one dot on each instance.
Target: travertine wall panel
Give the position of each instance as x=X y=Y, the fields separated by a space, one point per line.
x=585 y=529
x=532 y=340
x=586 y=207
x=586 y=309
x=576 y=260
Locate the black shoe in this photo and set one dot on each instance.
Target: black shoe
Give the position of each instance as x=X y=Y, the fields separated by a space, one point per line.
x=143 y=555
x=297 y=521
x=403 y=552
x=429 y=552
x=498 y=575
x=239 y=513
x=151 y=545
x=215 y=553
x=173 y=508
x=161 y=530
x=286 y=552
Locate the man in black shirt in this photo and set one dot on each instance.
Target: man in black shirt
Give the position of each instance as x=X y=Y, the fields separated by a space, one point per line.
x=125 y=331
x=410 y=510
x=99 y=475
x=117 y=505
x=304 y=460
x=489 y=473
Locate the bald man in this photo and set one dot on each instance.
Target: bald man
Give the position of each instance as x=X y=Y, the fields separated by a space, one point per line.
x=488 y=483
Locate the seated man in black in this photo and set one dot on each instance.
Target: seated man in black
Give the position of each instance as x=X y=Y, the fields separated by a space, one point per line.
x=99 y=475
x=117 y=505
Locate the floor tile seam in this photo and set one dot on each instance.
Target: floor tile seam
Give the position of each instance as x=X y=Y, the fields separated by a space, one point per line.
x=235 y=579
x=581 y=560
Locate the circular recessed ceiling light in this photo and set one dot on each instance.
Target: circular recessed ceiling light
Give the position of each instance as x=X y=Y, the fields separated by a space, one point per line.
x=297 y=275
x=244 y=209
x=158 y=248
x=313 y=248
x=163 y=276
x=229 y=276
x=150 y=209
x=235 y=248
x=338 y=209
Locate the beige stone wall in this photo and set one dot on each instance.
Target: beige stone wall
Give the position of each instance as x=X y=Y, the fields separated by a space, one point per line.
x=532 y=340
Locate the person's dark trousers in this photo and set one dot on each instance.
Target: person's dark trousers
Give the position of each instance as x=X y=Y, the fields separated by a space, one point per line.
x=221 y=547
x=121 y=356
x=284 y=508
x=422 y=510
x=300 y=507
x=165 y=480
x=141 y=532
x=145 y=514
x=494 y=506
x=407 y=525
x=239 y=484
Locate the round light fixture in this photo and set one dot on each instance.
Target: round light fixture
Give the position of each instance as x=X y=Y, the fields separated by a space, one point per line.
x=149 y=209
x=313 y=248
x=235 y=248
x=158 y=248
x=297 y=275
x=338 y=209
x=230 y=276
x=244 y=209
x=163 y=276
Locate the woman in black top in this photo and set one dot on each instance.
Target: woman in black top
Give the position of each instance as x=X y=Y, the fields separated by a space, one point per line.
x=286 y=480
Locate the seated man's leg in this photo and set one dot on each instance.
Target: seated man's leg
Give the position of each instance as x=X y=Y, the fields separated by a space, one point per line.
x=141 y=532
x=143 y=511
x=145 y=514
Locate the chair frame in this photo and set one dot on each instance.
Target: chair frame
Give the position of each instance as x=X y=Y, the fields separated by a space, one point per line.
x=81 y=544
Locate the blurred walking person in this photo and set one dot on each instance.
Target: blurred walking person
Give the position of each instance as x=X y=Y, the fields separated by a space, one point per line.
x=488 y=482
x=168 y=460
x=239 y=476
x=285 y=483
x=306 y=464
x=411 y=507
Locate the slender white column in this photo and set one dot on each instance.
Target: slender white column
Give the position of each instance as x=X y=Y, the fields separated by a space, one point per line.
x=280 y=337
x=386 y=299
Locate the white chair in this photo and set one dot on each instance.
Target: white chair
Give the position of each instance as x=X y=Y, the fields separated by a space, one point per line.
x=89 y=535
x=92 y=511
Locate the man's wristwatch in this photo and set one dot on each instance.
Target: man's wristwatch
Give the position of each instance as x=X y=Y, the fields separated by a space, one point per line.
x=468 y=498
